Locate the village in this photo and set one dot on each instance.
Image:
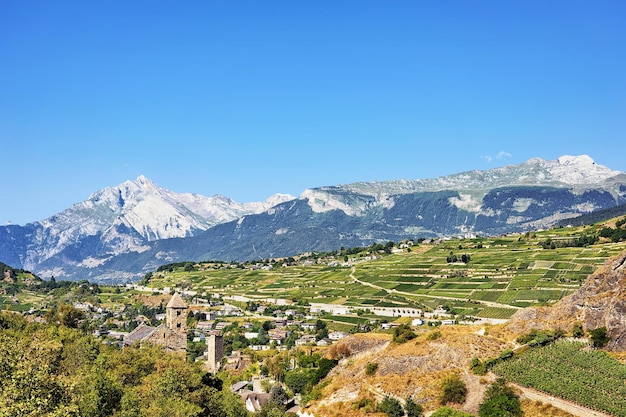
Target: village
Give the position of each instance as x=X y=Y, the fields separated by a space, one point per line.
x=239 y=336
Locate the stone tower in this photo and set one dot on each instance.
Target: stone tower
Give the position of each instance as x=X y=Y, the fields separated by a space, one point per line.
x=176 y=315
x=172 y=335
x=214 y=352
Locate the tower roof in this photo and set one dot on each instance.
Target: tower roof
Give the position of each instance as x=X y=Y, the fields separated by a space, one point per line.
x=176 y=302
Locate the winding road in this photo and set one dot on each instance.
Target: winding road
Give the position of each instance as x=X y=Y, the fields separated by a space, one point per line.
x=392 y=291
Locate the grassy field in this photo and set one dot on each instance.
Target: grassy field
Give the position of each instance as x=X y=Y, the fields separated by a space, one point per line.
x=504 y=274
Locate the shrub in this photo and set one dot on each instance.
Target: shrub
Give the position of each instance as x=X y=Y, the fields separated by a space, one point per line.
x=449 y=412
x=403 y=333
x=434 y=335
x=478 y=367
x=371 y=368
x=412 y=409
x=391 y=407
x=599 y=337
x=453 y=390
x=500 y=400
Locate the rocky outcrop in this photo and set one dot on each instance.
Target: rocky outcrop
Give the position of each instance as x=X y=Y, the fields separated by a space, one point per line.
x=600 y=301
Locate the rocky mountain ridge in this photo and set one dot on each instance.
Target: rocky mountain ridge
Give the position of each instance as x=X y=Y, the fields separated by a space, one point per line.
x=122 y=232
x=120 y=219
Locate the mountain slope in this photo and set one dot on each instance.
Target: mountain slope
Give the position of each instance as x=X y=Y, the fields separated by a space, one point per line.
x=599 y=302
x=114 y=221
x=122 y=232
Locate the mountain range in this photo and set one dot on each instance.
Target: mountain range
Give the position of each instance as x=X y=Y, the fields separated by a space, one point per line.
x=120 y=233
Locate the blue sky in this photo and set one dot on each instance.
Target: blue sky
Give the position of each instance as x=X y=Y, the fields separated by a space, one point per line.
x=250 y=98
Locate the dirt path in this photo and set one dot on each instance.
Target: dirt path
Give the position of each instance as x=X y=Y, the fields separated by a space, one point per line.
x=570 y=407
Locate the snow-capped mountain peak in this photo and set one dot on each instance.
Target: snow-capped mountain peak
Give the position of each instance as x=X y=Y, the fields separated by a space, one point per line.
x=129 y=215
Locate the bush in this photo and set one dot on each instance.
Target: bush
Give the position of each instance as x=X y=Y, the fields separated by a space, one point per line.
x=371 y=368
x=453 y=390
x=500 y=400
x=577 y=330
x=403 y=333
x=449 y=412
x=434 y=335
x=391 y=407
x=478 y=367
x=599 y=337
x=412 y=409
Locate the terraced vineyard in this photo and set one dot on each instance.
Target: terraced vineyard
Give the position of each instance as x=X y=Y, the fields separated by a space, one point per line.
x=503 y=274
x=571 y=371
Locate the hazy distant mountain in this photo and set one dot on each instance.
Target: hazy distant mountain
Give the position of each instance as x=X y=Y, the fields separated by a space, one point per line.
x=121 y=233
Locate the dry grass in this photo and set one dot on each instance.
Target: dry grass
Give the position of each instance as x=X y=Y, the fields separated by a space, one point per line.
x=538 y=409
x=413 y=369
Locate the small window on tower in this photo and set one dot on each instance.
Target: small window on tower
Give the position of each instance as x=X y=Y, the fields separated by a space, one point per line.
x=178 y=313
x=178 y=325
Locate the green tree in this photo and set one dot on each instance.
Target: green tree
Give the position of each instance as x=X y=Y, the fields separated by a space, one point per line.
x=599 y=337
x=453 y=390
x=403 y=333
x=100 y=394
x=390 y=406
x=500 y=401
x=66 y=315
x=296 y=380
x=412 y=409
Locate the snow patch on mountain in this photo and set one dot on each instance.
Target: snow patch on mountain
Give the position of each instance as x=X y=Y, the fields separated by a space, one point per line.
x=466 y=202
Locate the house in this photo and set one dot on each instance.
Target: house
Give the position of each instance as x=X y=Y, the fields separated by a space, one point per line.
x=417 y=322
x=254 y=400
x=324 y=342
x=337 y=335
x=222 y=325
x=305 y=340
x=172 y=334
x=277 y=335
x=308 y=326
x=205 y=325
x=239 y=387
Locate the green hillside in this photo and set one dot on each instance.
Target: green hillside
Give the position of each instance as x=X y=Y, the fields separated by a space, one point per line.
x=503 y=274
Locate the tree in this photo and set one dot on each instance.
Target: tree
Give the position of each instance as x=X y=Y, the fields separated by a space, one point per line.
x=101 y=394
x=66 y=315
x=599 y=337
x=453 y=390
x=412 y=409
x=500 y=401
x=390 y=406
x=278 y=395
x=403 y=333
x=296 y=381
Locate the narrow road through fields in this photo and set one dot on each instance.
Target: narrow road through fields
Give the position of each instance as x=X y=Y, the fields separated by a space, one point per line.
x=378 y=287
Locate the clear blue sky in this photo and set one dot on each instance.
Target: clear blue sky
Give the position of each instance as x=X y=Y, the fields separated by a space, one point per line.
x=250 y=98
